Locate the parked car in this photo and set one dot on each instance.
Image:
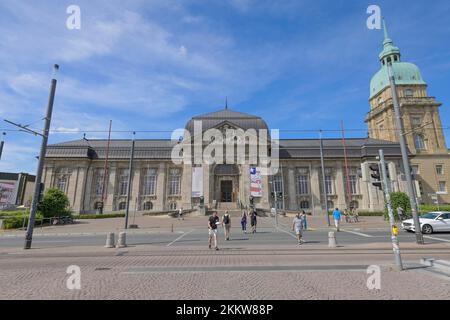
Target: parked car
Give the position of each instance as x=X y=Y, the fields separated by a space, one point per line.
x=430 y=222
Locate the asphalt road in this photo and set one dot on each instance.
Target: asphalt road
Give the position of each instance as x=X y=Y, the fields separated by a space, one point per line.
x=199 y=237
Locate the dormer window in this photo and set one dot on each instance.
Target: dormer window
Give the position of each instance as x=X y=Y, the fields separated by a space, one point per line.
x=380 y=100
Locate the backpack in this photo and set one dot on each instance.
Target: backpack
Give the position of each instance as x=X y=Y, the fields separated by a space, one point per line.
x=226 y=219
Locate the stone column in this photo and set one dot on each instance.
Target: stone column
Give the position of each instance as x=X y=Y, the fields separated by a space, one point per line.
x=245 y=185
x=80 y=190
x=72 y=187
x=135 y=187
x=48 y=176
x=186 y=187
x=111 y=189
x=87 y=190
x=266 y=192
x=161 y=187
x=315 y=190
x=340 y=186
x=292 y=192
x=206 y=184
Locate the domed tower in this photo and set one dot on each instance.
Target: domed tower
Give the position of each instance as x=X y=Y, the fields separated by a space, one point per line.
x=420 y=112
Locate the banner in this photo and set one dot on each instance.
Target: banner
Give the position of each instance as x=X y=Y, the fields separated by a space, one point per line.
x=197 y=182
x=255 y=183
x=8 y=192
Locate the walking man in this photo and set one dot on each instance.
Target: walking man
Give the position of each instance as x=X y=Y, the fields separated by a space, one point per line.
x=401 y=213
x=253 y=220
x=212 y=226
x=180 y=214
x=244 y=221
x=337 y=218
x=297 y=226
x=226 y=224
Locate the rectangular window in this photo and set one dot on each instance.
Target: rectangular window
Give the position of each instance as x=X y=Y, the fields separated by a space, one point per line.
x=408 y=93
x=439 y=170
x=278 y=184
x=442 y=187
x=329 y=185
x=123 y=182
x=353 y=184
x=174 y=182
x=303 y=184
x=61 y=183
x=99 y=182
x=415 y=169
x=149 y=182
x=416 y=121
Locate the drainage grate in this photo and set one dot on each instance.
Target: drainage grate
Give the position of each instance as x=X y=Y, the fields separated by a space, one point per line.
x=102 y=269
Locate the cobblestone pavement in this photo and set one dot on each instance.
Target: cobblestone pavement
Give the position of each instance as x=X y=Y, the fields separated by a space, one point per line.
x=190 y=273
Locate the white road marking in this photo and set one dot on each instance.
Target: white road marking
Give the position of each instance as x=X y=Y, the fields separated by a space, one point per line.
x=358 y=233
x=438 y=239
x=184 y=234
x=289 y=233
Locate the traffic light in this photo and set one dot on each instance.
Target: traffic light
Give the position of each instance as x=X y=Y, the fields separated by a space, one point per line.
x=376 y=175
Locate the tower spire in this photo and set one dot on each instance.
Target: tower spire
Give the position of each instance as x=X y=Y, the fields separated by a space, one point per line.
x=226 y=103
x=387 y=39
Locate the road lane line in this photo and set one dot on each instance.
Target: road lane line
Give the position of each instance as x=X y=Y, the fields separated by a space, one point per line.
x=184 y=234
x=438 y=239
x=289 y=233
x=358 y=233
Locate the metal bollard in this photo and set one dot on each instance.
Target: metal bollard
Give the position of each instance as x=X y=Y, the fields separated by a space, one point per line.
x=109 y=240
x=332 y=243
x=122 y=243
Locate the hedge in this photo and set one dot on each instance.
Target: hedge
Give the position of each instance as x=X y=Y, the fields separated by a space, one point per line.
x=429 y=208
x=17 y=221
x=99 y=216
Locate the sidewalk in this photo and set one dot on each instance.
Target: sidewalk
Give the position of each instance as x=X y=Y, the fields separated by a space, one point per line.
x=166 y=224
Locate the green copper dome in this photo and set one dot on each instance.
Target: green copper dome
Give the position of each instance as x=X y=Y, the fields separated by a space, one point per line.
x=405 y=73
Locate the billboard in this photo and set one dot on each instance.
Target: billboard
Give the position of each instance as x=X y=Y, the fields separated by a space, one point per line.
x=8 y=192
x=255 y=182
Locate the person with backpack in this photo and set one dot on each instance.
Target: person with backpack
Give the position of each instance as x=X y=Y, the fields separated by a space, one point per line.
x=244 y=222
x=226 y=223
x=305 y=222
x=213 y=221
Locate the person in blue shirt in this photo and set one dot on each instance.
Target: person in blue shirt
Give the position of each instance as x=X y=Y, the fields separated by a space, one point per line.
x=337 y=218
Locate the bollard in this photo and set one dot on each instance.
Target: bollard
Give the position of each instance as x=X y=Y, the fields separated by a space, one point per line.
x=109 y=240
x=172 y=227
x=332 y=240
x=122 y=243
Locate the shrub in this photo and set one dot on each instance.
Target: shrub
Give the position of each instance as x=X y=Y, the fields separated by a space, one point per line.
x=371 y=214
x=429 y=208
x=18 y=221
x=54 y=204
x=398 y=199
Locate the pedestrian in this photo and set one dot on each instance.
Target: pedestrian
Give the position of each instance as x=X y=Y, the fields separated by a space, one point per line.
x=337 y=218
x=180 y=214
x=346 y=215
x=253 y=220
x=226 y=224
x=305 y=222
x=213 y=221
x=401 y=213
x=297 y=226
x=244 y=221
x=355 y=215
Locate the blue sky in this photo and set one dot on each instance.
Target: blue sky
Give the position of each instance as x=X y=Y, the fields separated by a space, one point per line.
x=151 y=65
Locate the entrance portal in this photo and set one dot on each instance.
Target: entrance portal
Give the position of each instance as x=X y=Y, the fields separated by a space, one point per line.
x=226 y=191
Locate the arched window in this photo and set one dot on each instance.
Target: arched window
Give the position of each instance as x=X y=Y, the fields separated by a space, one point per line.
x=330 y=205
x=148 y=205
x=304 y=204
x=98 y=205
x=122 y=206
x=173 y=206
x=419 y=142
x=354 y=205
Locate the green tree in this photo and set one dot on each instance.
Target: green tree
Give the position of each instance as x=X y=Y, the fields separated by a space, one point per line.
x=54 y=204
x=399 y=199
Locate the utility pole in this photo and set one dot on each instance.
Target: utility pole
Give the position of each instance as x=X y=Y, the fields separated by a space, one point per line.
x=130 y=175
x=394 y=230
x=323 y=180
x=406 y=165
x=37 y=185
x=2 y=143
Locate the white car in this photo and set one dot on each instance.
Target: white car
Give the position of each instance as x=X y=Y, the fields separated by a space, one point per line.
x=430 y=222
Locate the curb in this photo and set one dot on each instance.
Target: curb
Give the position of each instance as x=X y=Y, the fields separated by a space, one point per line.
x=441 y=265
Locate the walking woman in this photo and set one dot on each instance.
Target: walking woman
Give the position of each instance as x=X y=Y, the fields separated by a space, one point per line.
x=253 y=221
x=244 y=221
